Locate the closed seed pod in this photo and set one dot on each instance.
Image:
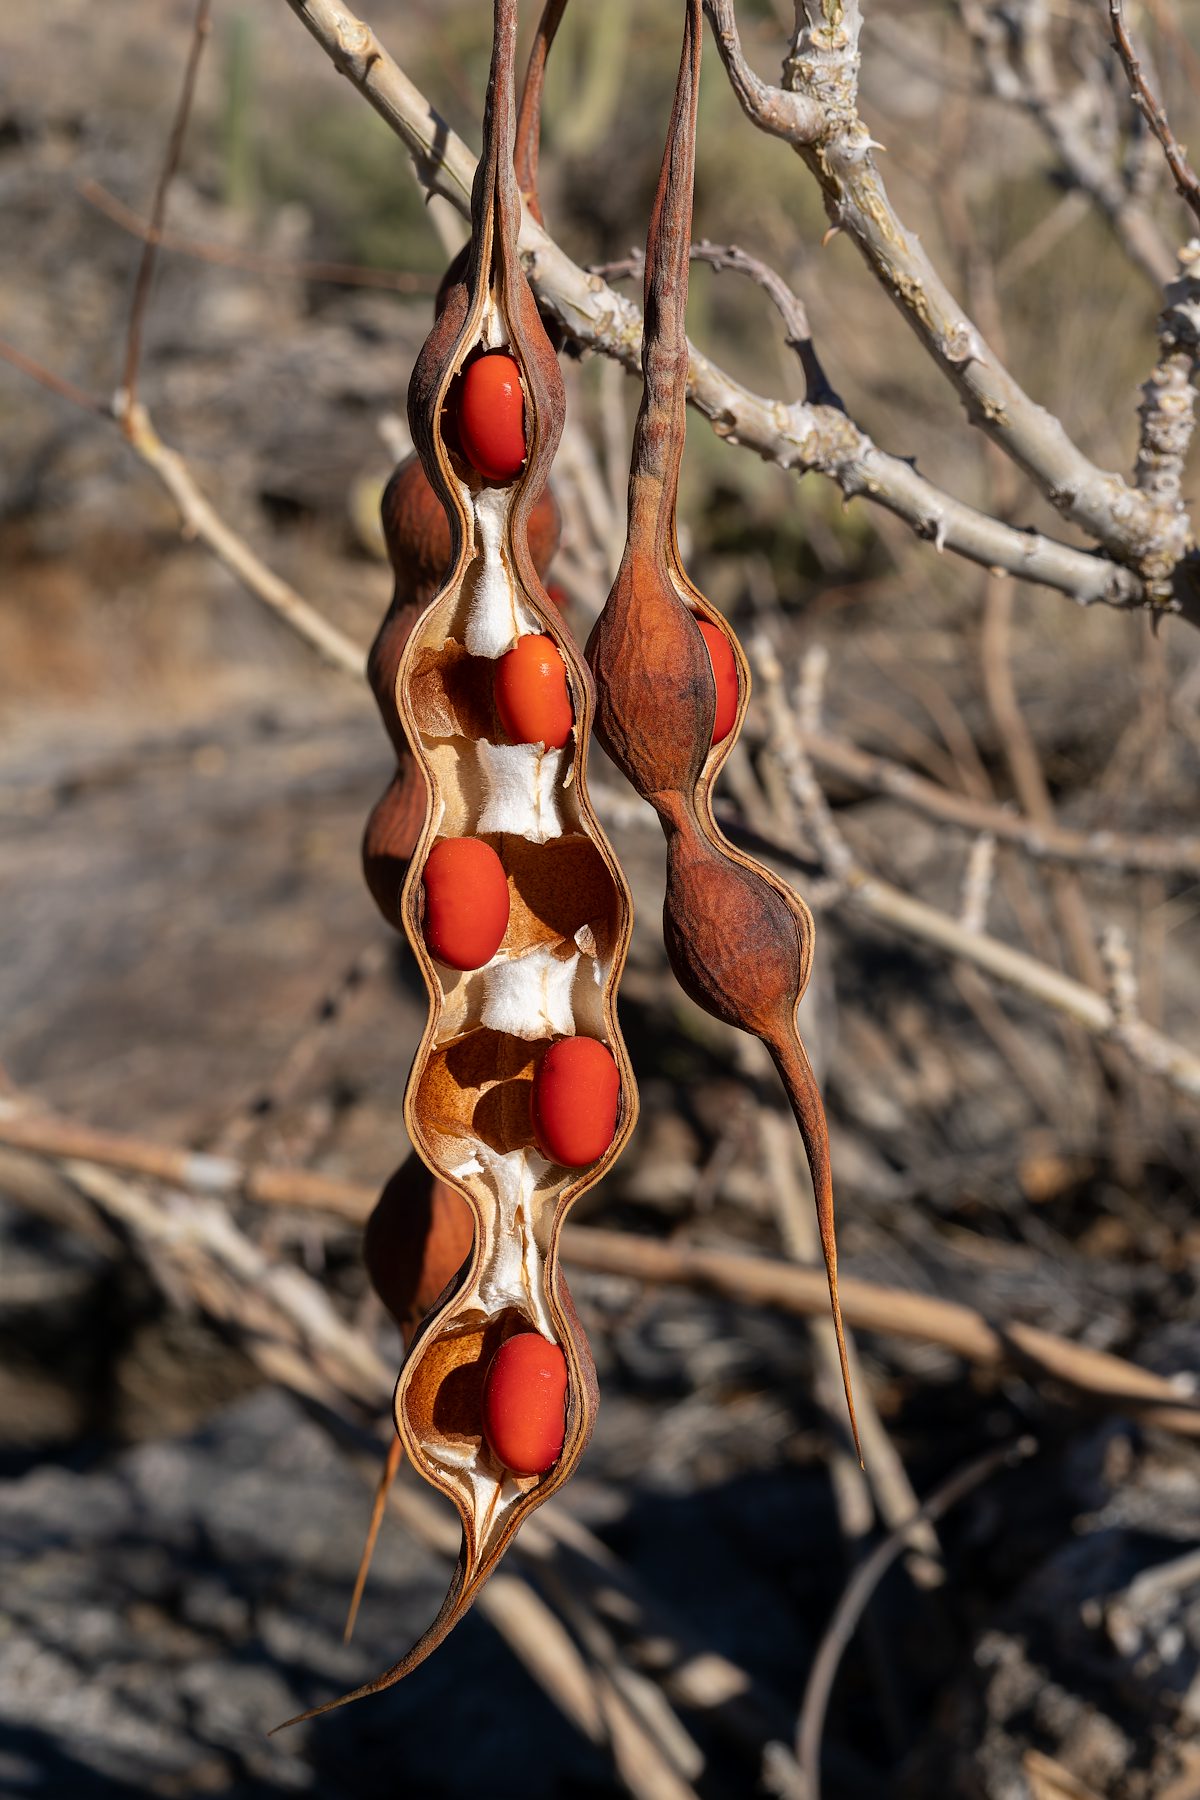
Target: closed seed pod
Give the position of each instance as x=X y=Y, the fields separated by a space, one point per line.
x=467 y=1105
x=739 y=940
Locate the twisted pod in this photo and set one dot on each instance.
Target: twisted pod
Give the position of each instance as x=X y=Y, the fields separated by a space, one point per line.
x=521 y=1094
x=673 y=683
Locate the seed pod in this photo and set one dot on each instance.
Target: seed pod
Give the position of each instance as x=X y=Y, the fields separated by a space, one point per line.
x=467 y=1106
x=738 y=939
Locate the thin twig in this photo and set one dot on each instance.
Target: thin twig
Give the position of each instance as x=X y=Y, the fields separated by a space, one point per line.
x=865 y=892
x=200 y=519
x=862 y=1585
x=731 y=258
x=1153 y=110
x=127 y=398
x=398 y=281
x=57 y=384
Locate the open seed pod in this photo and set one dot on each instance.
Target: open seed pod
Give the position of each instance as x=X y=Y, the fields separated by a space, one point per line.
x=489 y=1100
x=738 y=939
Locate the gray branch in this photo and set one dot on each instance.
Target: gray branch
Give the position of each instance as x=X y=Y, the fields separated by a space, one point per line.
x=796 y=436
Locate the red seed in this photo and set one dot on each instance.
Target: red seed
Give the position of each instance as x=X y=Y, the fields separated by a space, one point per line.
x=531 y=693
x=574 y=1102
x=491 y=416
x=524 y=1403
x=724 y=668
x=466 y=902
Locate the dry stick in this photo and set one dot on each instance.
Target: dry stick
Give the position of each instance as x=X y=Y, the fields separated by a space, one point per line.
x=817 y=113
x=753 y=1280
x=1045 y=842
x=796 y=436
x=398 y=281
x=645 y=1713
x=858 y=1591
x=199 y=518
x=1152 y=110
x=127 y=397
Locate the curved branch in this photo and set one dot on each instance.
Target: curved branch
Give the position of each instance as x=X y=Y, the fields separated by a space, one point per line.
x=823 y=68
x=796 y=436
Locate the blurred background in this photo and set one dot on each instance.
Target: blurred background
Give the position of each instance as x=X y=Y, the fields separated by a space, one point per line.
x=188 y=956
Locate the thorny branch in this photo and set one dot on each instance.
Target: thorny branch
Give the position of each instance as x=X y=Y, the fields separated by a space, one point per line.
x=796 y=436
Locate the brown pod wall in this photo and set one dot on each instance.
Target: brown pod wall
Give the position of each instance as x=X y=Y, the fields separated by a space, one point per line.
x=468 y=1101
x=739 y=940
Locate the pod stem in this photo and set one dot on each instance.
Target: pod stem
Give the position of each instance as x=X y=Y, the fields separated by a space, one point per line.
x=662 y=418
x=791 y=1059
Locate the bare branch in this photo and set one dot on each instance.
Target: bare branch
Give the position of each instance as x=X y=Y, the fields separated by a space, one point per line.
x=863 y=892
x=1014 y=51
x=798 y=437
x=1152 y=110
x=226 y=256
x=1168 y=410
x=822 y=67
x=1095 y=1375
x=141 y=291
x=791 y=309
x=201 y=520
